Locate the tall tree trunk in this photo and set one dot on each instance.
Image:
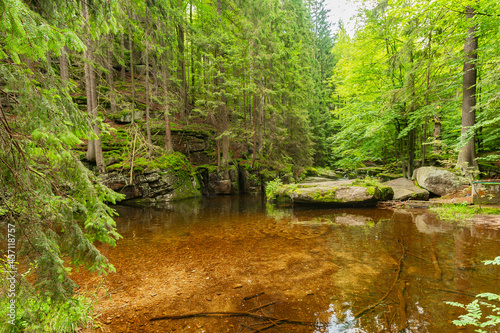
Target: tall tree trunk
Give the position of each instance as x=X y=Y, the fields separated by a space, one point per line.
x=168 y=132
x=437 y=132
x=411 y=153
x=467 y=154
x=110 y=77
x=132 y=78
x=254 y=107
x=223 y=107
x=88 y=88
x=94 y=151
x=155 y=75
x=122 y=52
x=182 y=71
x=427 y=90
x=148 y=129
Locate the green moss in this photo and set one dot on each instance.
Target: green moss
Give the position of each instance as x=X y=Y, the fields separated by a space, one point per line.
x=210 y=167
x=389 y=176
x=386 y=192
x=175 y=163
x=311 y=172
x=194 y=129
x=371 y=190
x=326 y=196
x=186 y=190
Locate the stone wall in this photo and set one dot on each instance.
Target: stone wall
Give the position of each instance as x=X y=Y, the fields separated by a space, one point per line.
x=152 y=186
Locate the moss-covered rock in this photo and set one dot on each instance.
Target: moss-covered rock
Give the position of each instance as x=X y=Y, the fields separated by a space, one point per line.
x=165 y=178
x=344 y=193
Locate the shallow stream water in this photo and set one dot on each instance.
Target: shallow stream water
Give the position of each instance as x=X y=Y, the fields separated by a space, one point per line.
x=319 y=266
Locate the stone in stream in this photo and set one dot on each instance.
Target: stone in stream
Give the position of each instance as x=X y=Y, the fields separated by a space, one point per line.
x=404 y=189
x=436 y=180
x=341 y=193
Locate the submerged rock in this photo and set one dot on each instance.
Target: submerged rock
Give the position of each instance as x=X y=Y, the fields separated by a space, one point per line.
x=404 y=189
x=436 y=180
x=342 y=193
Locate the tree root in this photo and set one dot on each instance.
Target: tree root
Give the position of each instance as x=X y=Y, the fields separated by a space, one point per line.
x=402 y=307
x=400 y=262
x=239 y=314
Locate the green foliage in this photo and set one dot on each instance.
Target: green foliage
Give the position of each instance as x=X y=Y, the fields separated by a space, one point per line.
x=401 y=73
x=55 y=207
x=475 y=315
x=274 y=189
x=41 y=314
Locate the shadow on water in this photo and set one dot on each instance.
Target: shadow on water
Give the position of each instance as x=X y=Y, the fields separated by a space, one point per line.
x=316 y=265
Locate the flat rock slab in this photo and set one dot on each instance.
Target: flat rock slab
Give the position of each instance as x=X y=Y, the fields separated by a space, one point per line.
x=404 y=189
x=310 y=180
x=341 y=193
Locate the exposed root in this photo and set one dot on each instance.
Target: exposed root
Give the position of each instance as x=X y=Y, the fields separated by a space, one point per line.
x=400 y=263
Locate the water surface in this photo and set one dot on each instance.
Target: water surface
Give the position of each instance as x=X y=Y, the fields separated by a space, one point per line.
x=314 y=265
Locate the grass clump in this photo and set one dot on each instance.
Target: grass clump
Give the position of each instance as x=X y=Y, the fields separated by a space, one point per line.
x=462 y=212
x=454 y=212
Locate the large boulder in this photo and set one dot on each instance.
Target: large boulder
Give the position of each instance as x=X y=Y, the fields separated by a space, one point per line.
x=404 y=189
x=436 y=180
x=343 y=193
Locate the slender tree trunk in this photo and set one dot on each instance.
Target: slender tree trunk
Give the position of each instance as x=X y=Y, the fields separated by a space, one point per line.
x=166 y=100
x=110 y=77
x=168 y=132
x=94 y=151
x=132 y=78
x=427 y=90
x=182 y=71
x=411 y=153
x=437 y=132
x=122 y=51
x=148 y=129
x=88 y=87
x=223 y=107
x=155 y=76
x=467 y=154
x=254 y=106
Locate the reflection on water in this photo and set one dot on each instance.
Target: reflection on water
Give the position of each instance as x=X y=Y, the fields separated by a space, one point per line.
x=321 y=265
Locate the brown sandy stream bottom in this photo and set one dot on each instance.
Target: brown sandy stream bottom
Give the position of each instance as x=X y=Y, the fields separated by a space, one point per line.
x=315 y=265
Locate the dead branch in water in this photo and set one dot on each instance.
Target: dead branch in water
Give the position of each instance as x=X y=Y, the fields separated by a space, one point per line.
x=400 y=263
x=253 y=296
x=239 y=314
x=260 y=307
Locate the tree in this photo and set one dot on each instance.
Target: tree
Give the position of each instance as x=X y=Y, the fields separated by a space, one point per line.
x=53 y=205
x=467 y=154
